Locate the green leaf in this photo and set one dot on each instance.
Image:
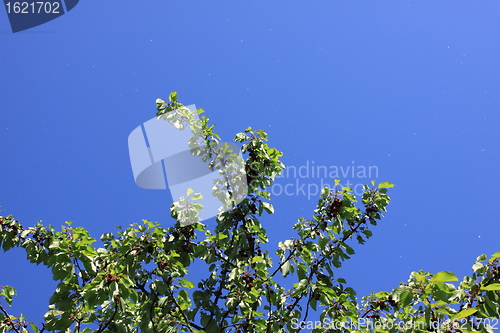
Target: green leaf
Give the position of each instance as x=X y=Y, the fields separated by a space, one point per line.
x=257 y=259
x=173 y=96
x=62 y=270
x=477 y=266
x=205 y=320
x=60 y=324
x=8 y=292
x=385 y=185
x=268 y=207
x=285 y=268
x=34 y=328
x=442 y=296
x=348 y=249
x=301 y=284
x=490 y=307
x=405 y=298
x=464 y=313
x=482 y=257
x=183 y=299
x=9 y=242
x=313 y=302
x=322 y=242
x=444 y=276
x=186 y=283
x=493 y=286
x=197 y=196
x=301 y=271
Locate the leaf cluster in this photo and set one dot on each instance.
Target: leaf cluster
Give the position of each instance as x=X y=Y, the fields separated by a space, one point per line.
x=139 y=281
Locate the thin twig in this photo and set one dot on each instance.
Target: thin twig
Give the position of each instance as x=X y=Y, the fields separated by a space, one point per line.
x=9 y=321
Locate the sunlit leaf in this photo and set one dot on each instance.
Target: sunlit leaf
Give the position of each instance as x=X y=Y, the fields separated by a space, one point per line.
x=444 y=276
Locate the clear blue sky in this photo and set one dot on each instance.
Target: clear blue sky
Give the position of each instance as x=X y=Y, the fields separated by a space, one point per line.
x=410 y=87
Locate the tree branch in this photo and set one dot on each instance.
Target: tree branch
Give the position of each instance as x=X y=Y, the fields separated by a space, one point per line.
x=9 y=320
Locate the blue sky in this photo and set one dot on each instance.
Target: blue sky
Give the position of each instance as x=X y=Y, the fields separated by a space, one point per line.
x=410 y=87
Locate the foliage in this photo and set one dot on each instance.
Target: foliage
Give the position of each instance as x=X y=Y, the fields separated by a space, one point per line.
x=139 y=282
